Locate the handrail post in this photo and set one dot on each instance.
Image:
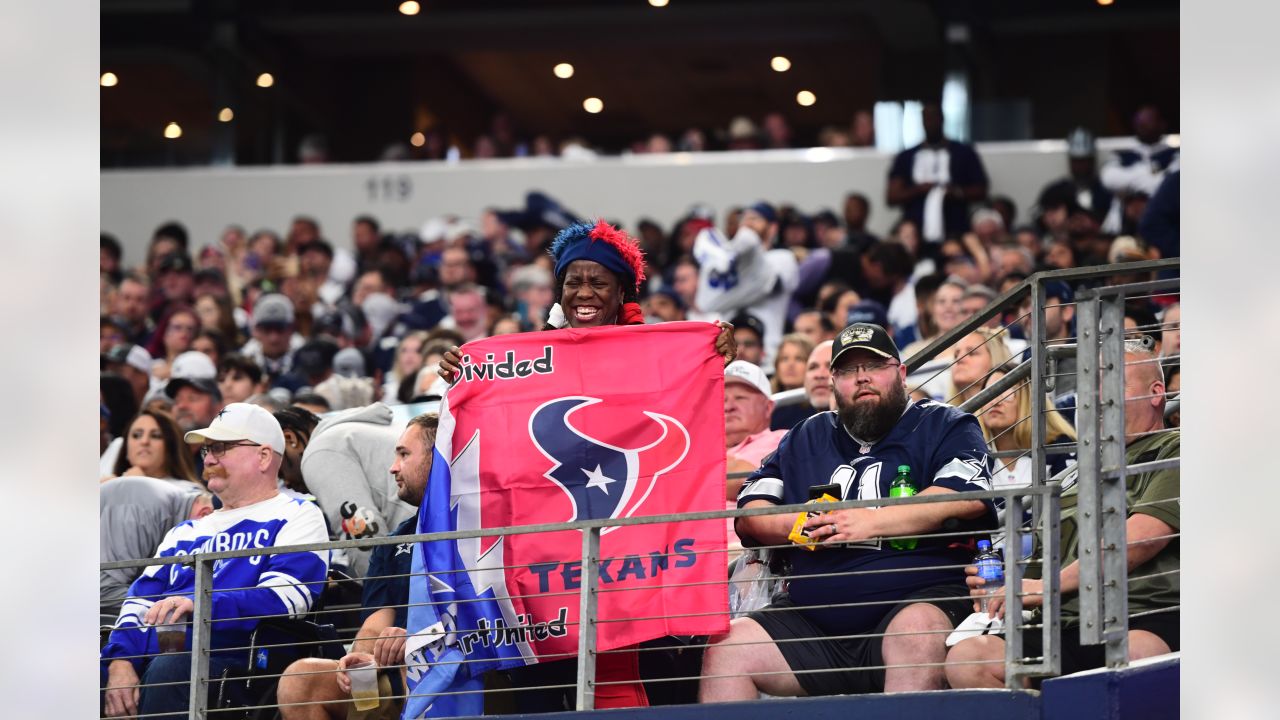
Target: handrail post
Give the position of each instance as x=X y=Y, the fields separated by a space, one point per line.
x=587 y=614
x=201 y=631
x=1112 y=502
x=1050 y=567
x=1015 y=668
x=1089 y=464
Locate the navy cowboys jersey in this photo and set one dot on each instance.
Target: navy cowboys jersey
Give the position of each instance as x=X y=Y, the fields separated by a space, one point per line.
x=942 y=445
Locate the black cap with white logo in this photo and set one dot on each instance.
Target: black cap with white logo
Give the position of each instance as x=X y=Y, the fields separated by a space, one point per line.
x=864 y=336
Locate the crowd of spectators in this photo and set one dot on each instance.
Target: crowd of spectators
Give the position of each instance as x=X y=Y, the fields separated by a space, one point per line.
x=503 y=139
x=307 y=327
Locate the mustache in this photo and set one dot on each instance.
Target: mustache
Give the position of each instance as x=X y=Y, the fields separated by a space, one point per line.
x=214 y=472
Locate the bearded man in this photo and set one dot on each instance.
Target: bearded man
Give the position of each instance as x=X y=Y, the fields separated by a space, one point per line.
x=868 y=594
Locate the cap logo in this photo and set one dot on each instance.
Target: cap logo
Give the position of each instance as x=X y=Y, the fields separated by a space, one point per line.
x=856 y=334
x=221 y=413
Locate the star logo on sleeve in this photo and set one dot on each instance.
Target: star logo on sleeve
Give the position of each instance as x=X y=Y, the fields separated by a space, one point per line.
x=597 y=479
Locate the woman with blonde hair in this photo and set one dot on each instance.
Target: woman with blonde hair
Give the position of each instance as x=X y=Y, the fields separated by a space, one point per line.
x=976 y=354
x=790 y=361
x=1006 y=425
x=408 y=361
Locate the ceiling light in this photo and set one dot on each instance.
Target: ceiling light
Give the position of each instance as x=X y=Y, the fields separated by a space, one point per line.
x=225 y=115
x=564 y=71
x=806 y=98
x=265 y=80
x=1104 y=3
x=658 y=3
x=418 y=139
x=172 y=131
x=409 y=7
x=780 y=64
x=108 y=79
x=593 y=105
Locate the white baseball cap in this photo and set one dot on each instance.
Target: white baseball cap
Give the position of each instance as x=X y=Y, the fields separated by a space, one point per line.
x=744 y=372
x=193 y=365
x=193 y=368
x=241 y=421
x=135 y=356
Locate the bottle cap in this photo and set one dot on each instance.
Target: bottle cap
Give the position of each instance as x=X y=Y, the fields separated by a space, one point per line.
x=984 y=544
x=904 y=469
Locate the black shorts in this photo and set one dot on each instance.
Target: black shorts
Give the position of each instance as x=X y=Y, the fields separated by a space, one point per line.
x=849 y=654
x=1077 y=657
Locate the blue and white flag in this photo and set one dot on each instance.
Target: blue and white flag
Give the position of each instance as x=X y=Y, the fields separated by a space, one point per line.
x=448 y=620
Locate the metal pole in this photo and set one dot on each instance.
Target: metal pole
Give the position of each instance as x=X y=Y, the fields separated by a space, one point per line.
x=586 y=699
x=1111 y=491
x=1089 y=462
x=201 y=630
x=1051 y=566
x=1015 y=668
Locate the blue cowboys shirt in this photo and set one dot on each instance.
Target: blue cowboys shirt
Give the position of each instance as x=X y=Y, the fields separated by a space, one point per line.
x=244 y=587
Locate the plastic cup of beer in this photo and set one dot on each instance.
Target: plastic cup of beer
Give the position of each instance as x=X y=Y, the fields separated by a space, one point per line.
x=171 y=638
x=364 y=684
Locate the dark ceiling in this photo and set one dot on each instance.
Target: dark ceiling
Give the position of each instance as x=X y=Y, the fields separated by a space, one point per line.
x=364 y=76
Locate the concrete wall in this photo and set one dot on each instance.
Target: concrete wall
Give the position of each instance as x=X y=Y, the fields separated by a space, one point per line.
x=404 y=195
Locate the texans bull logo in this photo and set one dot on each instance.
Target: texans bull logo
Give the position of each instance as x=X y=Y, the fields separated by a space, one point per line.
x=603 y=481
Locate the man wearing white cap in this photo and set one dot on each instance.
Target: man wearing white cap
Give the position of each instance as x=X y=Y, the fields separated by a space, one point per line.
x=243 y=447
x=747 y=408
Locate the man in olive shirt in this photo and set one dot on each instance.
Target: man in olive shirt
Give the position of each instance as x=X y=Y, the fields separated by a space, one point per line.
x=1152 y=529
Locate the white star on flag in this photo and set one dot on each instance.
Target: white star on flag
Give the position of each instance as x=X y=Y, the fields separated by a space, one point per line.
x=598 y=479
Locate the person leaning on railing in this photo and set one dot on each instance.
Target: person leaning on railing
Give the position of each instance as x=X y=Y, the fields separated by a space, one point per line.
x=1153 y=499
x=791 y=647
x=1007 y=427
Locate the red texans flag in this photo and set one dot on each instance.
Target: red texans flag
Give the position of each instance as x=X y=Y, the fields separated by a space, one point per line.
x=567 y=425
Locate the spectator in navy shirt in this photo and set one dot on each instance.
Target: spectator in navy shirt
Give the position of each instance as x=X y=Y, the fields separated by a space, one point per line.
x=902 y=613
x=381 y=637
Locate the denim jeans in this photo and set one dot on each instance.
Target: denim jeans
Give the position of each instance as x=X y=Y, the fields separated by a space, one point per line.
x=174 y=667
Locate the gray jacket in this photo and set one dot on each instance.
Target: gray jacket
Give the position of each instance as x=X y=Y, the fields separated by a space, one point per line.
x=134 y=513
x=347 y=467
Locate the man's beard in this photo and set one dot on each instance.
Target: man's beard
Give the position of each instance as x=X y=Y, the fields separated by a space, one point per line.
x=871 y=422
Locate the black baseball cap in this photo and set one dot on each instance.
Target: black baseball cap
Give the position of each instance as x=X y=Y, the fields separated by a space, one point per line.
x=864 y=336
x=174 y=262
x=750 y=322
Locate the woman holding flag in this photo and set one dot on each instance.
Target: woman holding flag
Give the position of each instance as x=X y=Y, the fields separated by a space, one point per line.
x=598 y=271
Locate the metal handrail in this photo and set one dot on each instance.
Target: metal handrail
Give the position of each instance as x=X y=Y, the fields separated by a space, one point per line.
x=1004 y=300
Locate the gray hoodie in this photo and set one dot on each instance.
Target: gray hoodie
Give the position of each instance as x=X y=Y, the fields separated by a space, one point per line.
x=347 y=467
x=134 y=513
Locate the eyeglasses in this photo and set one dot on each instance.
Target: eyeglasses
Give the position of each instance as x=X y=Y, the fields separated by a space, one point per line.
x=870 y=368
x=218 y=449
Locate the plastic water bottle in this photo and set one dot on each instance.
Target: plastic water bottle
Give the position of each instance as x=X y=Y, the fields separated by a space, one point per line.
x=990 y=569
x=903 y=487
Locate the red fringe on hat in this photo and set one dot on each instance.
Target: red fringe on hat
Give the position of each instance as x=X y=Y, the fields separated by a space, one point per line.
x=626 y=246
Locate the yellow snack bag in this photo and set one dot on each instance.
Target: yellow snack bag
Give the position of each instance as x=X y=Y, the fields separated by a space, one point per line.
x=799 y=535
